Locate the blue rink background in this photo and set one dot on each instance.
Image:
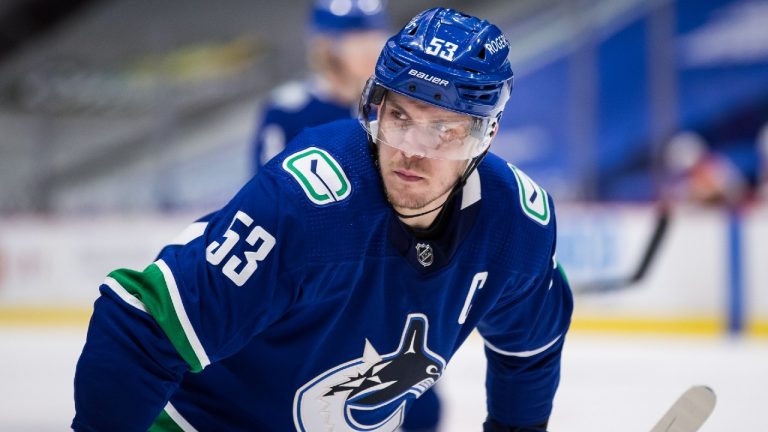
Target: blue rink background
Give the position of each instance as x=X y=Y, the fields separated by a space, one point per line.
x=609 y=383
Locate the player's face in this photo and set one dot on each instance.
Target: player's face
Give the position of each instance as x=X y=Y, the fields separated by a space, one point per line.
x=359 y=51
x=415 y=183
x=355 y=55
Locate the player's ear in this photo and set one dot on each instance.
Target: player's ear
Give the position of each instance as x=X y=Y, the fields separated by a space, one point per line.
x=493 y=130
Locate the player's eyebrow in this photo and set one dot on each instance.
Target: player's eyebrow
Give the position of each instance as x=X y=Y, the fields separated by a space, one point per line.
x=397 y=106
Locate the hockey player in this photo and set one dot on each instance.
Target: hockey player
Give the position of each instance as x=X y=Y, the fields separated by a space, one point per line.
x=336 y=286
x=342 y=48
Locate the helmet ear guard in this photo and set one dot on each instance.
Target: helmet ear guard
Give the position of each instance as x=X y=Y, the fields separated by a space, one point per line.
x=372 y=96
x=377 y=96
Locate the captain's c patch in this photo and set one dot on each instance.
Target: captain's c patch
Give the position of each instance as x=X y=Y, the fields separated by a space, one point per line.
x=533 y=198
x=319 y=175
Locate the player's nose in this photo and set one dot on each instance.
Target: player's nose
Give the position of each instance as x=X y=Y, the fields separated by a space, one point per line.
x=411 y=155
x=410 y=147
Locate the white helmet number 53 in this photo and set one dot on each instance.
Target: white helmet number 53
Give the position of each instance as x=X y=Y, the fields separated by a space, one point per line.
x=441 y=48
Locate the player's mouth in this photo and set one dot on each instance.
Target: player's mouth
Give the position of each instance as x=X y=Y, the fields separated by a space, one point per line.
x=407 y=175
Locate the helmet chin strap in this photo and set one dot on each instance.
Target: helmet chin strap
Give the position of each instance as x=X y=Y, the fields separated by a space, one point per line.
x=473 y=163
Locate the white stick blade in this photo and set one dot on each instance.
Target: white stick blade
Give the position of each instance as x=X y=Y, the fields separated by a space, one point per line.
x=689 y=412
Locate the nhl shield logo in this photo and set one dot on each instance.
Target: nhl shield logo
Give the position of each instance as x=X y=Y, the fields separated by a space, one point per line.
x=424 y=254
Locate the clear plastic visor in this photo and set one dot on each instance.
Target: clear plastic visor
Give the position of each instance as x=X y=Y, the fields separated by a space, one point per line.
x=419 y=129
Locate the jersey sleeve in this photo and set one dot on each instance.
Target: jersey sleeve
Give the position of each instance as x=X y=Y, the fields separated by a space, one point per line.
x=219 y=283
x=524 y=335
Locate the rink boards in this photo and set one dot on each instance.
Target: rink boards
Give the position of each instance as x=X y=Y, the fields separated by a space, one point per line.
x=706 y=277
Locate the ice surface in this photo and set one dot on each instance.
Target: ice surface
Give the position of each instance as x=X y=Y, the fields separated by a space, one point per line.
x=609 y=383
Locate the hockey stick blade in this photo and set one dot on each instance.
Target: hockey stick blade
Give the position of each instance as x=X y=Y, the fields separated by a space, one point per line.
x=689 y=411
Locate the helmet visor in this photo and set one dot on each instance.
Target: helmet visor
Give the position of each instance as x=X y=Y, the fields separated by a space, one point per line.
x=398 y=121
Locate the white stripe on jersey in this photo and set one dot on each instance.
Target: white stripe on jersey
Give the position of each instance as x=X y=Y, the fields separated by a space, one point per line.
x=471 y=192
x=530 y=353
x=118 y=289
x=181 y=314
x=178 y=418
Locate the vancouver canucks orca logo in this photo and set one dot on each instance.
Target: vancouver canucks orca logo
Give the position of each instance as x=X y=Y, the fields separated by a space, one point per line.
x=370 y=392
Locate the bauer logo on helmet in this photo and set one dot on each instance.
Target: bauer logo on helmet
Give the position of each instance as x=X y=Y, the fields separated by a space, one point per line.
x=430 y=78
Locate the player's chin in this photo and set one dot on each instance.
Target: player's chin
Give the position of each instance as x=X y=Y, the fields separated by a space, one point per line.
x=403 y=198
x=411 y=202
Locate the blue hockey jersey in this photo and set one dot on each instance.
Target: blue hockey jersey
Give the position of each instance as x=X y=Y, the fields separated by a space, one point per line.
x=305 y=304
x=289 y=109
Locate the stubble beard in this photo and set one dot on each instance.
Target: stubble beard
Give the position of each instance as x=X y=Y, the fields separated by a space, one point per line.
x=407 y=199
x=413 y=202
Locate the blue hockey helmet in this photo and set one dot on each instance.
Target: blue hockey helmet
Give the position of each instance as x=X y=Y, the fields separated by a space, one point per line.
x=342 y=16
x=449 y=59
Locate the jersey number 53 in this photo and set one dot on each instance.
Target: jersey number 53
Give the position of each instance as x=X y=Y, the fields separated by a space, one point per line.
x=216 y=252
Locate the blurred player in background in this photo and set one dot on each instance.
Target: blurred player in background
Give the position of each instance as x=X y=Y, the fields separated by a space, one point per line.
x=720 y=162
x=344 y=41
x=762 y=148
x=699 y=175
x=335 y=287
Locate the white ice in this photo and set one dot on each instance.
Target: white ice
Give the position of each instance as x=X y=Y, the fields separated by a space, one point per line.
x=609 y=383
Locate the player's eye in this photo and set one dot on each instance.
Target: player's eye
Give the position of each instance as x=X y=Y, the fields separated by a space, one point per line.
x=399 y=119
x=397 y=114
x=450 y=132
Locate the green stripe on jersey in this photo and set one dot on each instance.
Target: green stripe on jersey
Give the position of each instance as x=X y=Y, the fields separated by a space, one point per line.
x=164 y=423
x=562 y=273
x=149 y=286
